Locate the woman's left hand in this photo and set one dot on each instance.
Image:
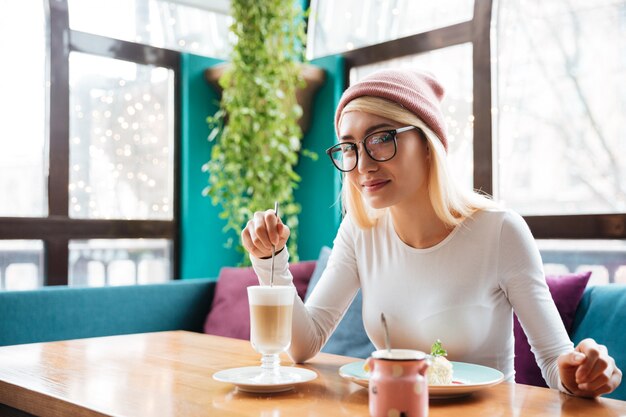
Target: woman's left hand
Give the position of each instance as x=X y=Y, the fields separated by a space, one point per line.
x=589 y=371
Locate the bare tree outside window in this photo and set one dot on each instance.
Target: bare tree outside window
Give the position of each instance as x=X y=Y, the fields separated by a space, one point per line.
x=339 y=26
x=562 y=106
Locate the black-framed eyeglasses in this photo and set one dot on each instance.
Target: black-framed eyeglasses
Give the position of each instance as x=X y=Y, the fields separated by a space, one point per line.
x=380 y=146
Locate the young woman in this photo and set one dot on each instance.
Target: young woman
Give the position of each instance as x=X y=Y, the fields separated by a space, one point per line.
x=440 y=262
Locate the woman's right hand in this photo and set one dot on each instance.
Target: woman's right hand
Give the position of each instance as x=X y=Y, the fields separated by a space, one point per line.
x=263 y=230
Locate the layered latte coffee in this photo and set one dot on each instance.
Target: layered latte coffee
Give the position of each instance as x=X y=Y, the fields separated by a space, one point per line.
x=270 y=318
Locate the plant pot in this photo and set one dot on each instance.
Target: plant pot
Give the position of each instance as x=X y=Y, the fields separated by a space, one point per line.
x=313 y=76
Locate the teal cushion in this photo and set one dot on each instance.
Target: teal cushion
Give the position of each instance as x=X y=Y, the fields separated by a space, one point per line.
x=349 y=338
x=601 y=315
x=61 y=313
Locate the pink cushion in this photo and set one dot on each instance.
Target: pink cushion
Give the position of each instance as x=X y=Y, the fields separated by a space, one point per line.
x=229 y=315
x=566 y=291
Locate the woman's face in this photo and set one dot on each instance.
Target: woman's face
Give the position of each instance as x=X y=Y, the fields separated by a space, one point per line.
x=403 y=179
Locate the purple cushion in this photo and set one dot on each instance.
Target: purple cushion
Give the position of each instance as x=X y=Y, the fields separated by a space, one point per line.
x=230 y=315
x=566 y=291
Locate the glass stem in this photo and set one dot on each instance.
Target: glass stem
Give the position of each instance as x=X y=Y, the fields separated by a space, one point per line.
x=270 y=364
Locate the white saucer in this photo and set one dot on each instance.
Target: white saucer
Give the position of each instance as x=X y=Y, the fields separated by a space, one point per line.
x=246 y=378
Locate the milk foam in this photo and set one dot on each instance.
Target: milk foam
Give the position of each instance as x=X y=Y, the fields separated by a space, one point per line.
x=271 y=296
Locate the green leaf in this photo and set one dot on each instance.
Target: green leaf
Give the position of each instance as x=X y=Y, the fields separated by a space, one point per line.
x=309 y=154
x=437 y=349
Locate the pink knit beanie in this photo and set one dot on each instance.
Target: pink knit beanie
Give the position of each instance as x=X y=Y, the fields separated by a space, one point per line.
x=418 y=92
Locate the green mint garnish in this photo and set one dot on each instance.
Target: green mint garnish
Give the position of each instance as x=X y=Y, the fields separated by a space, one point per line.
x=437 y=349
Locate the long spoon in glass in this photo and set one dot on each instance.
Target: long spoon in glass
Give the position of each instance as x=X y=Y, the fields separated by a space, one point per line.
x=273 y=248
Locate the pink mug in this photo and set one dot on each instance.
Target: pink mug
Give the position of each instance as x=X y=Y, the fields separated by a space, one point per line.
x=398 y=385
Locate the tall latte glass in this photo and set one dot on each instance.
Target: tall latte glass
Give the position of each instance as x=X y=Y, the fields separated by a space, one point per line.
x=270 y=328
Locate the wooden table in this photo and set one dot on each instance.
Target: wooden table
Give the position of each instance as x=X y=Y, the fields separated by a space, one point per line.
x=170 y=374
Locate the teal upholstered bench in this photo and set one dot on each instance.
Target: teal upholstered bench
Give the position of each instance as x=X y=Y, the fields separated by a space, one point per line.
x=61 y=313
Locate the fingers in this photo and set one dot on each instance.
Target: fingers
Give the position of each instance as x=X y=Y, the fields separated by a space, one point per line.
x=595 y=375
x=598 y=366
x=283 y=232
x=604 y=383
x=595 y=363
x=571 y=360
x=600 y=385
x=589 y=375
x=262 y=232
x=616 y=378
x=247 y=242
x=272 y=224
x=259 y=231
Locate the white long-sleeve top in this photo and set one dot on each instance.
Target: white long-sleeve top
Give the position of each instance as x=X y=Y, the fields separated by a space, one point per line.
x=462 y=290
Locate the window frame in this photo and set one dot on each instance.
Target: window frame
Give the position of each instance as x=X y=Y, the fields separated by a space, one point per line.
x=477 y=32
x=57 y=229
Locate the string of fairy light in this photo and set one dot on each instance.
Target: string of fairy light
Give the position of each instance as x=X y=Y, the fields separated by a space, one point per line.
x=120 y=138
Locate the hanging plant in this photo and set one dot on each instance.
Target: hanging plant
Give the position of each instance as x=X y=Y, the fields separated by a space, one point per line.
x=256 y=132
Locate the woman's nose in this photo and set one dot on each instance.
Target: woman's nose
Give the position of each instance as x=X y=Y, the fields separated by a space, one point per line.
x=365 y=163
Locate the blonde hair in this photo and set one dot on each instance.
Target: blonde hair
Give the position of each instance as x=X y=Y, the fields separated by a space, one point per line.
x=451 y=203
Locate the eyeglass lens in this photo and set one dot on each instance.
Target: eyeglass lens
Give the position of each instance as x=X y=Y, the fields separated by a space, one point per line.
x=379 y=146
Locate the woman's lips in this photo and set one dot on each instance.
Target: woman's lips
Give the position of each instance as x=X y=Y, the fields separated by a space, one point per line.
x=371 y=186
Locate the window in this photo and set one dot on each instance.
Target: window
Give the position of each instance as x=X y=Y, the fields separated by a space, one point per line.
x=21 y=264
x=606 y=259
x=561 y=156
x=122 y=139
x=161 y=23
x=100 y=262
x=562 y=101
x=91 y=176
x=339 y=26
x=23 y=116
